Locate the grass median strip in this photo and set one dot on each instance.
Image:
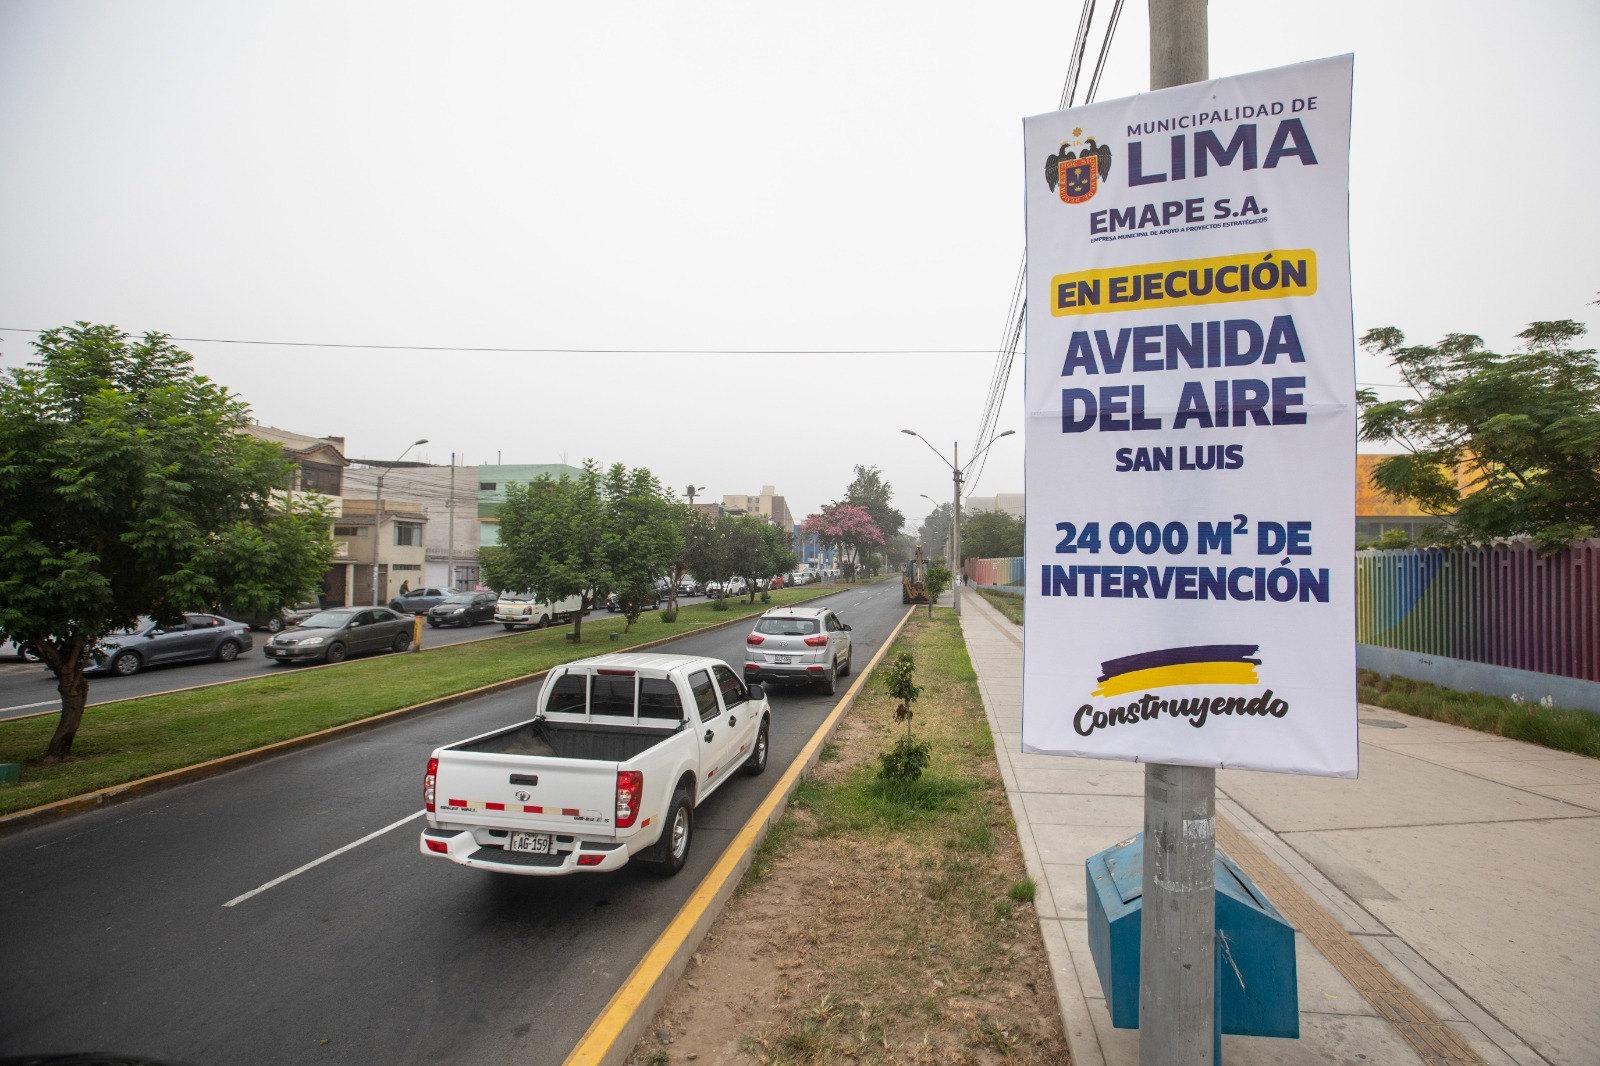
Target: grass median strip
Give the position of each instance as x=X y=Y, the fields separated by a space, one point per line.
x=880 y=922
x=133 y=739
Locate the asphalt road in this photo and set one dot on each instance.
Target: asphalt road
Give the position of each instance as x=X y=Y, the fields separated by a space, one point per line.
x=28 y=688
x=119 y=935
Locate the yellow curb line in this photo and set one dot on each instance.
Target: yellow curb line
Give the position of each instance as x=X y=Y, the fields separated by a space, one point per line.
x=611 y=1036
x=199 y=771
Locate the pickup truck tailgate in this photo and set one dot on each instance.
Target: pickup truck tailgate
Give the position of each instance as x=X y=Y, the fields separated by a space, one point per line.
x=522 y=793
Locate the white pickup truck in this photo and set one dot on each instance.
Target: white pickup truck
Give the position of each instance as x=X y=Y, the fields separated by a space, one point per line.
x=622 y=750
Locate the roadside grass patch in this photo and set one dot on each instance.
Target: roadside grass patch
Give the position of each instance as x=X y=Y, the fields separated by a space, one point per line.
x=919 y=945
x=128 y=740
x=1562 y=728
x=1010 y=606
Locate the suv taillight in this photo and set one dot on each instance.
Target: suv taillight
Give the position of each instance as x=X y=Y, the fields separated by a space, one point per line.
x=429 y=780
x=754 y=638
x=818 y=641
x=630 y=788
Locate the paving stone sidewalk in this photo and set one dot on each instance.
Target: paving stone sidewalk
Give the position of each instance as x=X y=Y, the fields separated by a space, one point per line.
x=1445 y=902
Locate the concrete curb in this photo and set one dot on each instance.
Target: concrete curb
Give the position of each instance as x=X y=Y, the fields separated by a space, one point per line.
x=611 y=1037
x=199 y=771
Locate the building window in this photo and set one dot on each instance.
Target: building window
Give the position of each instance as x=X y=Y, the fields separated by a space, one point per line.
x=349 y=531
x=488 y=486
x=406 y=566
x=408 y=534
x=320 y=477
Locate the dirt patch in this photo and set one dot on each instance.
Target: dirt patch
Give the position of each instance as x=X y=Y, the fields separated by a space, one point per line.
x=879 y=928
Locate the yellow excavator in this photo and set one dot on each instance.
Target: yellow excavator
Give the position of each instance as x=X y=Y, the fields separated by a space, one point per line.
x=914 y=582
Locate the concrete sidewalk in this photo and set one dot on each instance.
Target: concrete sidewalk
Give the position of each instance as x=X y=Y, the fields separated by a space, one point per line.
x=1445 y=903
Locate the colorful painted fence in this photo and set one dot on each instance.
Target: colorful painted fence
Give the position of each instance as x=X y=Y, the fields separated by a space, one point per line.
x=994 y=571
x=1503 y=605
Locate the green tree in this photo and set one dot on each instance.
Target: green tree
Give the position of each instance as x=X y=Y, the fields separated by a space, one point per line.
x=128 y=488
x=708 y=551
x=991 y=535
x=552 y=539
x=1523 y=431
x=869 y=490
x=936 y=579
x=586 y=537
x=642 y=536
x=934 y=533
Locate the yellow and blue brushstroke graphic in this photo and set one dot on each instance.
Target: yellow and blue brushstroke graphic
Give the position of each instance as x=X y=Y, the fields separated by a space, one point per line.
x=1203 y=664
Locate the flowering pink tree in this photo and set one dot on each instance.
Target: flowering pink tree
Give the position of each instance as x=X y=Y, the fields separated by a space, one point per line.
x=846 y=527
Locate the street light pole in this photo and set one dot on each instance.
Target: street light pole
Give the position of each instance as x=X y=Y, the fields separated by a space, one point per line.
x=955 y=519
x=377 y=515
x=958 y=475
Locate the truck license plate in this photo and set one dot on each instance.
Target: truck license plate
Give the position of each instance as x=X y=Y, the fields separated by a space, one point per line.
x=781 y=658
x=538 y=843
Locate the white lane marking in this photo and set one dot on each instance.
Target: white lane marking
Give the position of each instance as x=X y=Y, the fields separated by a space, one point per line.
x=30 y=706
x=318 y=862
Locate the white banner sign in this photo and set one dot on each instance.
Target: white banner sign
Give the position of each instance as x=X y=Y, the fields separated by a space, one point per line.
x=1192 y=425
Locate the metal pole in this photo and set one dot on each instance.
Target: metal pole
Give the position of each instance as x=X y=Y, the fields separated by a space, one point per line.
x=1177 y=950
x=955 y=469
x=450 y=542
x=377 y=526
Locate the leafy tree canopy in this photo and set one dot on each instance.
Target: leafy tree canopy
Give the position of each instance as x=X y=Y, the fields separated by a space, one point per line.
x=1522 y=430
x=934 y=533
x=847 y=528
x=128 y=488
x=991 y=535
x=586 y=537
x=870 y=491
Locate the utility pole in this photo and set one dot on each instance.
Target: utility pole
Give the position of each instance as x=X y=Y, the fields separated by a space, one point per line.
x=692 y=491
x=450 y=540
x=1177 y=947
x=955 y=520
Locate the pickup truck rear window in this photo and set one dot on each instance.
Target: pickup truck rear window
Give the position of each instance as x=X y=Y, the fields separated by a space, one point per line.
x=568 y=695
x=787 y=627
x=611 y=695
x=658 y=698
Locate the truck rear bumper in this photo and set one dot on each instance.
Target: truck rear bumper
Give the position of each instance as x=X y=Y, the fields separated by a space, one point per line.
x=584 y=856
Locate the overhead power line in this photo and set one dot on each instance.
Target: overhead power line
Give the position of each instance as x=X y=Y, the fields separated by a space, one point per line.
x=562 y=351
x=1017 y=311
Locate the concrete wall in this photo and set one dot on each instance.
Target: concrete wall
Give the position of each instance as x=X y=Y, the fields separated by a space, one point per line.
x=1467 y=676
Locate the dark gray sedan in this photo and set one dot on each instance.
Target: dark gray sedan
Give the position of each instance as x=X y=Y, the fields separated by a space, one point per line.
x=331 y=635
x=197 y=638
x=463 y=609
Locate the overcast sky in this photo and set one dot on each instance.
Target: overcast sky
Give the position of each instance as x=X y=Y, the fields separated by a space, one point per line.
x=681 y=181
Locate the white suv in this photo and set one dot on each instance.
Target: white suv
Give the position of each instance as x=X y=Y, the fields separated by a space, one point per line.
x=798 y=646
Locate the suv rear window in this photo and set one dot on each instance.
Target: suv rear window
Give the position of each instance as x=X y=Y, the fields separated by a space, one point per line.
x=787 y=627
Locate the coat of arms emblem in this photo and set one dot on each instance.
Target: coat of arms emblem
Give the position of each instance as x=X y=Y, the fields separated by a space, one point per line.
x=1076 y=176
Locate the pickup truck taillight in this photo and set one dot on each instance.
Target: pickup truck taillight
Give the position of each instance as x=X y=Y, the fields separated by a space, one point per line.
x=428 y=781
x=630 y=787
x=754 y=638
x=818 y=641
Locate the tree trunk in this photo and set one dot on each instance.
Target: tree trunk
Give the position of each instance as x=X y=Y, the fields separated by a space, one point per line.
x=74 y=689
x=577 y=621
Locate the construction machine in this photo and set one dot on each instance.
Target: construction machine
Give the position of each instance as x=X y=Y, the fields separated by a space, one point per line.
x=914 y=582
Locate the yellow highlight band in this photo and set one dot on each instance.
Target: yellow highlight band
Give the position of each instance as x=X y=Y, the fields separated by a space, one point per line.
x=1221 y=279
x=1181 y=674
